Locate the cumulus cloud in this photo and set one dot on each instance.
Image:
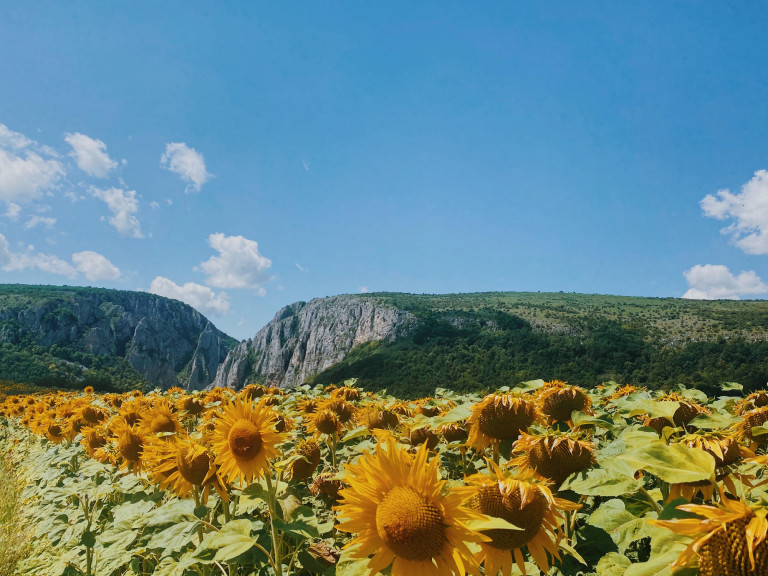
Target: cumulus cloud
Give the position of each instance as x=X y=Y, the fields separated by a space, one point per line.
x=199 y=297
x=363 y=290
x=238 y=265
x=18 y=261
x=187 y=163
x=94 y=266
x=748 y=210
x=33 y=221
x=716 y=282
x=90 y=154
x=124 y=205
x=27 y=170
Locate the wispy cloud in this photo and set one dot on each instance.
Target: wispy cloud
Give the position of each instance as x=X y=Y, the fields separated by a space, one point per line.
x=124 y=205
x=187 y=163
x=90 y=154
x=33 y=221
x=301 y=268
x=30 y=259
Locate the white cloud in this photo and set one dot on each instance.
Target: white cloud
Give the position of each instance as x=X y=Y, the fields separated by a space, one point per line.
x=17 y=261
x=301 y=268
x=199 y=297
x=13 y=211
x=124 y=205
x=363 y=289
x=94 y=266
x=748 y=210
x=187 y=163
x=90 y=154
x=716 y=282
x=27 y=170
x=33 y=221
x=238 y=265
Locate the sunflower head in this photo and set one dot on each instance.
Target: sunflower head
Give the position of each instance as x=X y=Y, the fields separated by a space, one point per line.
x=190 y=405
x=500 y=417
x=245 y=439
x=380 y=418
x=305 y=466
x=755 y=400
x=326 y=484
x=423 y=435
x=729 y=539
x=558 y=400
x=752 y=419
x=324 y=421
x=520 y=499
x=396 y=506
x=552 y=456
x=455 y=432
x=349 y=393
x=160 y=418
x=344 y=410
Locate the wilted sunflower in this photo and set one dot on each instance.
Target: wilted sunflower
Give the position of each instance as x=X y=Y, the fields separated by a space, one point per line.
x=308 y=461
x=395 y=505
x=558 y=400
x=244 y=439
x=499 y=417
x=752 y=419
x=130 y=445
x=378 y=417
x=552 y=456
x=755 y=400
x=731 y=538
x=528 y=504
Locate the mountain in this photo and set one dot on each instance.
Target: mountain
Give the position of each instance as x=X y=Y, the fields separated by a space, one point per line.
x=112 y=339
x=411 y=344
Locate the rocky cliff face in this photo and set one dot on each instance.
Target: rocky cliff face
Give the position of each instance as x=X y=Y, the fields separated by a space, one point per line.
x=305 y=338
x=168 y=342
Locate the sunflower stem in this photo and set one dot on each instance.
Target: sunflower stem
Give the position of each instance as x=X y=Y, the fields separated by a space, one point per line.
x=651 y=499
x=272 y=505
x=196 y=493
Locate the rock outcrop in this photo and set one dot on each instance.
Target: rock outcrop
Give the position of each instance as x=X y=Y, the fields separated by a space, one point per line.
x=167 y=341
x=305 y=338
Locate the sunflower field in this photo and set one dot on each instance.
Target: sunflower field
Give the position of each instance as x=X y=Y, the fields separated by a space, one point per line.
x=542 y=478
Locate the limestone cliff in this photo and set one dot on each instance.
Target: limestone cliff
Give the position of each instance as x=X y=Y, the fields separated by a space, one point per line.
x=166 y=341
x=305 y=338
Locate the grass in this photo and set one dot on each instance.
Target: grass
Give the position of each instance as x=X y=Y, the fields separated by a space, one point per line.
x=13 y=547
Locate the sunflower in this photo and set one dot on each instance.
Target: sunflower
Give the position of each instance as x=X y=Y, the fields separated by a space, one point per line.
x=730 y=538
x=304 y=467
x=499 y=417
x=323 y=421
x=160 y=419
x=244 y=439
x=130 y=445
x=380 y=418
x=752 y=419
x=349 y=393
x=558 y=400
x=395 y=505
x=755 y=400
x=528 y=504
x=182 y=464
x=552 y=456
x=455 y=432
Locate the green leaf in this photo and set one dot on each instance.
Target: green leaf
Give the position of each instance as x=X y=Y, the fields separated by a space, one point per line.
x=530 y=385
x=613 y=564
x=731 y=386
x=88 y=539
x=174 y=538
x=303 y=523
x=457 y=414
x=623 y=526
x=673 y=463
x=232 y=540
x=601 y=482
x=173 y=512
x=358 y=432
x=348 y=566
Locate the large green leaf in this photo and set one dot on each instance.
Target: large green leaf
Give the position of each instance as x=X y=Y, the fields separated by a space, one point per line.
x=672 y=463
x=232 y=540
x=601 y=482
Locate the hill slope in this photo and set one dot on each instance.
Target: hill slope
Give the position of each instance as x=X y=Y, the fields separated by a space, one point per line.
x=411 y=344
x=112 y=339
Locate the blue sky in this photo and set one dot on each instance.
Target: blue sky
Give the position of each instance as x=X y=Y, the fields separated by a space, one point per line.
x=244 y=156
